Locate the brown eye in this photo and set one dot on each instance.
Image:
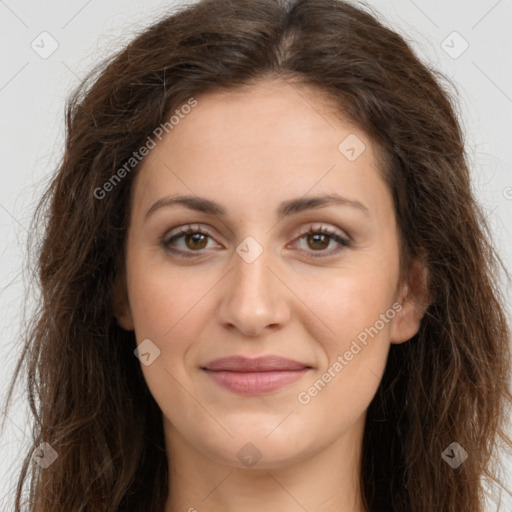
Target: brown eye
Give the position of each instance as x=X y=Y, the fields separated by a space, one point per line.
x=318 y=241
x=196 y=241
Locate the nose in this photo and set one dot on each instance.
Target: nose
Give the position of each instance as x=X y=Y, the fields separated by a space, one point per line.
x=254 y=298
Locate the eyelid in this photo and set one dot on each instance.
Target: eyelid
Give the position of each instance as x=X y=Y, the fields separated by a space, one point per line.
x=340 y=237
x=319 y=226
x=185 y=229
x=195 y=227
x=344 y=241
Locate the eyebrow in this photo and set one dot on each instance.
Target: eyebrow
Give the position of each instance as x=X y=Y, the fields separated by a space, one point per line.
x=286 y=208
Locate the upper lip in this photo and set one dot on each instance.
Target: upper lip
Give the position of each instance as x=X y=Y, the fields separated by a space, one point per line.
x=258 y=364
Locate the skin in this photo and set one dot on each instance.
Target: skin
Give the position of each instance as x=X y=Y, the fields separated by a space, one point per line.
x=249 y=150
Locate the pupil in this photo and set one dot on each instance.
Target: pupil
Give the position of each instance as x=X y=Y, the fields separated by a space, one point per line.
x=193 y=237
x=316 y=241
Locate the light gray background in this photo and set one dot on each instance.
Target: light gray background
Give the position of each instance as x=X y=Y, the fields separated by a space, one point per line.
x=33 y=92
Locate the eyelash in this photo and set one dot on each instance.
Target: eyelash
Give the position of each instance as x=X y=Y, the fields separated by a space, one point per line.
x=186 y=230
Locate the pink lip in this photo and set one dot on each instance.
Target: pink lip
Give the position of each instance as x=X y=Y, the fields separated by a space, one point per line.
x=255 y=376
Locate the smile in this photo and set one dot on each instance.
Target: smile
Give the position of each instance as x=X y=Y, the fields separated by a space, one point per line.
x=255 y=382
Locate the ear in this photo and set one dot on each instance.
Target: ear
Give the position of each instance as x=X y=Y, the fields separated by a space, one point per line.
x=121 y=305
x=415 y=299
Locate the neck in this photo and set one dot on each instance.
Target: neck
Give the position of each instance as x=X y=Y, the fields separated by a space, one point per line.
x=327 y=480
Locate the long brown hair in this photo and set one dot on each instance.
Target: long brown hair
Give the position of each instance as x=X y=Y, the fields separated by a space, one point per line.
x=449 y=383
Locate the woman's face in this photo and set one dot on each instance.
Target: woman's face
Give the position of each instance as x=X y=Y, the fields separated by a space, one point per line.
x=259 y=168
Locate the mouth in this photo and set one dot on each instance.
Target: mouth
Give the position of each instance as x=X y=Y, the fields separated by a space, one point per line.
x=246 y=376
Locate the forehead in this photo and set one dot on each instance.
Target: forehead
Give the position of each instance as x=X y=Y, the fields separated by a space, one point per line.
x=254 y=114
x=266 y=141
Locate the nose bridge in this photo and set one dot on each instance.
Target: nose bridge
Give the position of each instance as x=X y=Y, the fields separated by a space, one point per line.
x=253 y=298
x=251 y=274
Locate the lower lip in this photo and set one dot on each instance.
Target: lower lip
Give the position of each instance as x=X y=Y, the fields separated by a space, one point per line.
x=255 y=383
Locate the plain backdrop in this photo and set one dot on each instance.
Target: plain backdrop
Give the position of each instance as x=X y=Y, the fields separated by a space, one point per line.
x=470 y=42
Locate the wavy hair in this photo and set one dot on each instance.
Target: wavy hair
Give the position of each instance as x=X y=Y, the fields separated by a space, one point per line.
x=449 y=383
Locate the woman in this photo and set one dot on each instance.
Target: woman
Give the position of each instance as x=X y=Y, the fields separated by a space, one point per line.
x=266 y=284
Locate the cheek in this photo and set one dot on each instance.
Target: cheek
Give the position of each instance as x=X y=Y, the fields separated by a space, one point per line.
x=163 y=297
x=358 y=312
x=350 y=303
x=169 y=309
x=341 y=389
